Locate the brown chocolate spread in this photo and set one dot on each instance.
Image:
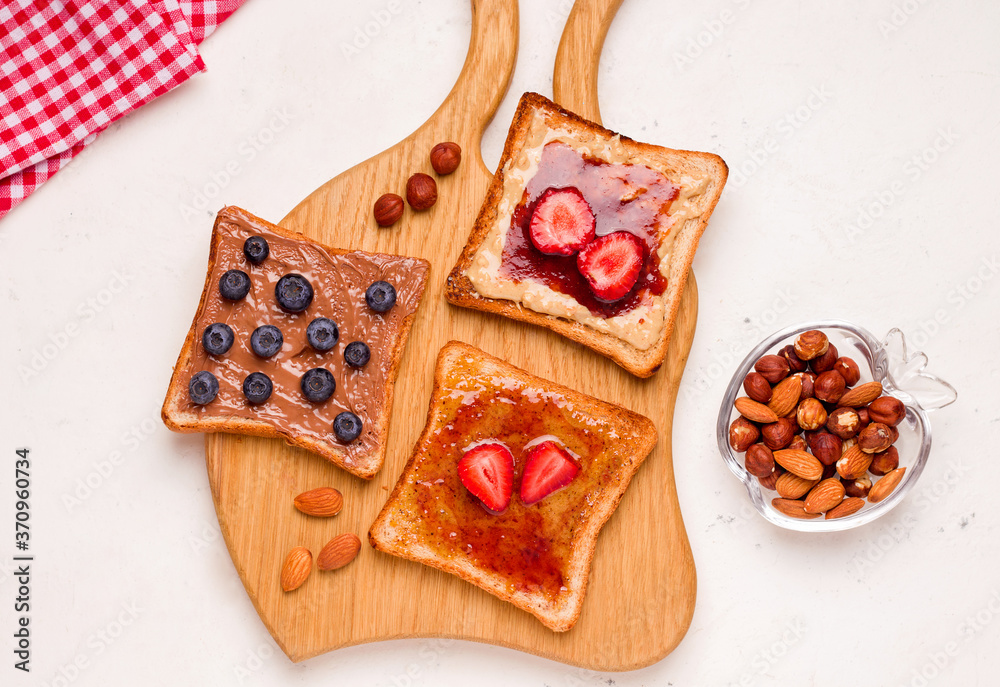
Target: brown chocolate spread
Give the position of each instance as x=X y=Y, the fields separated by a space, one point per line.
x=339 y=283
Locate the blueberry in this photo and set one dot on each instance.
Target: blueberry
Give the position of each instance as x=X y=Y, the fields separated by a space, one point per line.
x=294 y=293
x=203 y=388
x=234 y=285
x=318 y=385
x=257 y=387
x=381 y=296
x=322 y=334
x=347 y=427
x=217 y=338
x=357 y=354
x=256 y=249
x=266 y=340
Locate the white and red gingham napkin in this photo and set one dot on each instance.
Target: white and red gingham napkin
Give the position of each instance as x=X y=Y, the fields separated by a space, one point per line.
x=68 y=68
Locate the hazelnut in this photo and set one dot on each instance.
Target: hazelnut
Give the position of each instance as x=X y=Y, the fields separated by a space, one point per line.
x=759 y=460
x=808 y=384
x=742 y=433
x=825 y=362
x=795 y=363
x=388 y=209
x=894 y=431
x=875 y=438
x=799 y=443
x=757 y=387
x=811 y=344
x=829 y=471
x=887 y=410
x=848 y=369
x=885 y=461
x=421 y=191
x=773 y=368
x=827 y=447
x=771 y=481
x=811 y=414
x=863 y=417
x=445 y=157
x=844 y=423
x=829 y=386
x=858 y=487
x=778 y=435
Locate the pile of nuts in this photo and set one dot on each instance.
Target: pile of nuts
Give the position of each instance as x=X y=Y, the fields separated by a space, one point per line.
x=421 y=189
x=813 y=436
x=324 y=502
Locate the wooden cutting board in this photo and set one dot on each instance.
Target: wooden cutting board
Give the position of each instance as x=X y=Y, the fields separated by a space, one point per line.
x=642 y=588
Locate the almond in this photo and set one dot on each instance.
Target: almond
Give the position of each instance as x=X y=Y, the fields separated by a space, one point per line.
x=854 y=463
x=886 y=485
x=785 y=396
x=824 y=496
x=298 y=565
x=861 y=395
x=790 y=486
x=792 y=508
x=322 y=502
x=848 y=506
x=338 y=552
x=754 y=411
x=803 y=464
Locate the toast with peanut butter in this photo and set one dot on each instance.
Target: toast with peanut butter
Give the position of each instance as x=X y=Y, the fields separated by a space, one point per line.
x=297 y=341
x=588 y=233
x=511 y=482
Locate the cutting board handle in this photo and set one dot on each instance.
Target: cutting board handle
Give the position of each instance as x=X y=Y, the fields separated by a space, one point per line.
x=574 y=81
x=486 y=73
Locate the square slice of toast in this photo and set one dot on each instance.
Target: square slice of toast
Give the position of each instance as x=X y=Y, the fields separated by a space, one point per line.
x=535 y=556
x=663 y=196
x=339 y=279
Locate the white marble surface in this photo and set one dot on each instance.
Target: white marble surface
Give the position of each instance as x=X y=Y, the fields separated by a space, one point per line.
x=103 y=264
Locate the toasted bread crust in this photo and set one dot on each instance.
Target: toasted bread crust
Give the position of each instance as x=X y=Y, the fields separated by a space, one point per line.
x=459 y=290
x=637 y=435
x=179 y=420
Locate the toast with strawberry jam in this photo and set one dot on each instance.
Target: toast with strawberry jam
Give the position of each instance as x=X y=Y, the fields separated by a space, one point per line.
x=588 y=233
x=511 y=482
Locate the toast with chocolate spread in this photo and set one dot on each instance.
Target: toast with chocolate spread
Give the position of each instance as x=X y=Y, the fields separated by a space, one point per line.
x=297 y=341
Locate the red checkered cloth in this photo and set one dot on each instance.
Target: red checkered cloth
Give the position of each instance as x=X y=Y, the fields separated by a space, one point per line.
x=69 y=68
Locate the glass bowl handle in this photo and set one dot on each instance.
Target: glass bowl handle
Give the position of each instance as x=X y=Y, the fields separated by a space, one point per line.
x=906 y=375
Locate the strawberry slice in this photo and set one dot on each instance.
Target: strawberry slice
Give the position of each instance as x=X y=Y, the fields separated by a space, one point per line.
x=548 y=469
x=562 y=222
x=611 y=264
x=488 y=472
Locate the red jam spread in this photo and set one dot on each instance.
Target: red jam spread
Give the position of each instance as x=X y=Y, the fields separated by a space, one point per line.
x=529 y=546
x=627 y=197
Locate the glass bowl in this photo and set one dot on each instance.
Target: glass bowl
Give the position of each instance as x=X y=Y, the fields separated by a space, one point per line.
x=886 y=361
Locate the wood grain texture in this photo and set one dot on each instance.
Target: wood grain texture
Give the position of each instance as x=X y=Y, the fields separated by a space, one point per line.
x=641 y=594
